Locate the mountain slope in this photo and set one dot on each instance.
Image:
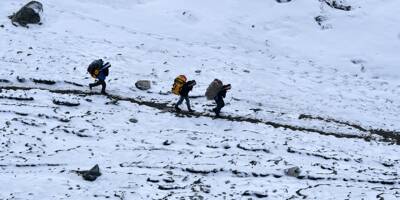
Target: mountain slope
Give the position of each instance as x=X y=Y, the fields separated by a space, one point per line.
x=296 y=64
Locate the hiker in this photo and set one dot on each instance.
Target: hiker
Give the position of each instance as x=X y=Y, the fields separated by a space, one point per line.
x=182 y=88
x=219 y=99
x=217 y=91
x=99 y=70
x=184 y=95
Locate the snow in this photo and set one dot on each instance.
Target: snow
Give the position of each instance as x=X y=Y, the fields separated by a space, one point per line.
x=329 y=87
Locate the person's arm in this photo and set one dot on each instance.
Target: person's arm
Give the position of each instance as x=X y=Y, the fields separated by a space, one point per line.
x=105 y=66
x=224 y=93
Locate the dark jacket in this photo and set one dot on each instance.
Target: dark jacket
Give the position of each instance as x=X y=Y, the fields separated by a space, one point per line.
x=222 y=93
x=186 y=88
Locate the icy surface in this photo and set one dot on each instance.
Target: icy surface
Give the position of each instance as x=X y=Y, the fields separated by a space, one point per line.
x=313 y=87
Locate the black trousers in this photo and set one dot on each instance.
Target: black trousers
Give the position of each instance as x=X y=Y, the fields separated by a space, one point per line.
x=220 y=104
x=186 y=98
x=100 y=82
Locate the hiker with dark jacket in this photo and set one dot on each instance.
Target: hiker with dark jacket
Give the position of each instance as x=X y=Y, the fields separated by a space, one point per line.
x=99 y=70
x=184 y=95
x=219 y=99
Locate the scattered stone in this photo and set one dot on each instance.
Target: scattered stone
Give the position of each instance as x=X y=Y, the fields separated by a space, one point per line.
x=65 y=103
x=90 y=175
x=4 y=81
x=2 y=26
x=143 y=84
x=169 y=180
x=283 y=1
x=20 y=98
x=152 y=180
x=255 y=194
x=167 y=143
x=133 y=120
x=46 y=82
x=337 y=4
x=28 y=14
x=293 y=171
x=198 y=71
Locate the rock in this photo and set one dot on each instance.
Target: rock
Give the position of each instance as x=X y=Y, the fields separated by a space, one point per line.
x=133 y=120
x=293 y=171
x=167 y=143
x=90 y=175
x=28 y=14
x=283 y=1
x=143 y=84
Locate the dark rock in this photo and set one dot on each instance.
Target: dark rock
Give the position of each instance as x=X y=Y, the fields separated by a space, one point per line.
x=152 y=180
x=283 y=1
x=167 y=142
x=90 y=175
x=21 y=80
x=255 y=194
x=65 y=103
x=143 y=84
x=46 y=82
x=133 y=120
x=28 y=14
x=293 y=171
x=337 y=4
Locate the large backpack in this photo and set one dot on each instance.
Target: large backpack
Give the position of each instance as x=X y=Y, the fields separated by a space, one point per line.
x=213 y=89
x=94 y=68
x=178 y=83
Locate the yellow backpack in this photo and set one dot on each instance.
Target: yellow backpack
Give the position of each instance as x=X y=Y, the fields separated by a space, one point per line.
x=95 y=73
x=178 y=83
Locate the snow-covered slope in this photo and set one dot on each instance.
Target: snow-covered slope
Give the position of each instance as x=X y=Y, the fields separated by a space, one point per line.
x=313 y=86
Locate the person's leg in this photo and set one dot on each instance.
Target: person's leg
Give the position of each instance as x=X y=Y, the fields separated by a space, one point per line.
x=103 y=86
x=217 y=109
x=222 y=103
x=188 y=104
x=97 y=83
x=181 y=98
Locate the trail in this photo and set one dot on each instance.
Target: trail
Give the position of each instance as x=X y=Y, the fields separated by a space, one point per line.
x=383 y=135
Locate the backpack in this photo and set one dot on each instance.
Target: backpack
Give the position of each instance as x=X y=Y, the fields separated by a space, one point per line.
x=213 y=89
x=178 y=83
x=94 y=68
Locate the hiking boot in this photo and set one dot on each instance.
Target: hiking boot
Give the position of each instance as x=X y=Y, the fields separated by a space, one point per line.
x=104 y=93
x=216 y=113
x=177 y=109
x=190 y=110
x=90 y=87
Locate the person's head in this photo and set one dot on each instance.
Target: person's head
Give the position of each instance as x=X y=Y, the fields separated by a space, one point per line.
x=192 y=83
x=227 y=87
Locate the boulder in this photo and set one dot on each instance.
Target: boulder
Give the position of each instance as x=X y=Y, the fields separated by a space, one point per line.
x=28 y=14
x=293 y=171
x=143 y=84
x=90 y=175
